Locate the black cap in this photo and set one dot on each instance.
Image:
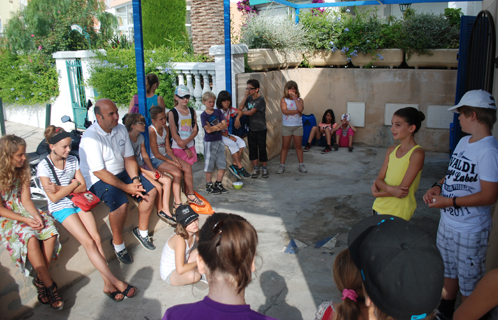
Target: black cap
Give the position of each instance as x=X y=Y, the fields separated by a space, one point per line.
x=184 y=215
x=401 y=267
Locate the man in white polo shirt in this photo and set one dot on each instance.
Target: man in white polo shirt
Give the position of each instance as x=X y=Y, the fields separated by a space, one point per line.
x=107 y=162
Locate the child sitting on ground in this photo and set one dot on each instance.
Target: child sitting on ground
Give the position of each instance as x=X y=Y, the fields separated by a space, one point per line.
x=347 y=279
x=214 y=123
x=323 y=132
x=178 y=265
x=399 y=176
x=464 y=196
x=233 y=142
x=135 y=124
x=344 y=133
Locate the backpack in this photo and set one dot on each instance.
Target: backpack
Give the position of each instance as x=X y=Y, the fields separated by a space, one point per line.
x=175 y=116
x=134 y=109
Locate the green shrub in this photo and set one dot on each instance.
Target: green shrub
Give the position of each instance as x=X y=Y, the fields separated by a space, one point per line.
x=266 y=31
x=163 y=19
x=426 y=31
x=323 y=28
x=27 y=78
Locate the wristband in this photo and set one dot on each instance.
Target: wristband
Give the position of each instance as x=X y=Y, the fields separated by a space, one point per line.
x=437 y=184
x=136 y=177
x=455 y=205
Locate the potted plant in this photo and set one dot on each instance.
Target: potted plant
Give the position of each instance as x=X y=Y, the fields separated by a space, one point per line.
x=431 y=40
x=273 y=42
x=368 y=40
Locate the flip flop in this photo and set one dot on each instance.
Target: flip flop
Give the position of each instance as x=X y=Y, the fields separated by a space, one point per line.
x=128 y=288
x=113 y=295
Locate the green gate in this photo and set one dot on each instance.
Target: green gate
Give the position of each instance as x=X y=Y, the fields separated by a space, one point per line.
x=77 y=92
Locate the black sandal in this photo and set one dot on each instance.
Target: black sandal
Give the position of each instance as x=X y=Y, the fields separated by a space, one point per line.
x=113 y=295
x=196 y=201
x=128 y=289
x=42 y=292
x=55 y=296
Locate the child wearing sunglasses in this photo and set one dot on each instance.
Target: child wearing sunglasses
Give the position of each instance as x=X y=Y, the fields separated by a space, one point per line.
x=183 y=127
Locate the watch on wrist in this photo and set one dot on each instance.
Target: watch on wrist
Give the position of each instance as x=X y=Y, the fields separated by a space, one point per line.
x=136 y=177
x=455 y=205
x=437 y=184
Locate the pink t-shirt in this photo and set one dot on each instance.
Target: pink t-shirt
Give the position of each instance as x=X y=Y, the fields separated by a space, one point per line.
x=344 y=136
x=327 y=126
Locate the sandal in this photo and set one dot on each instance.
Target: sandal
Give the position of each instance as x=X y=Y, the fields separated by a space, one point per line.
x=113 y=295
x=42 y=292
x=196 y=201
x=128 y=289
x=55 y=297
x=176 y=205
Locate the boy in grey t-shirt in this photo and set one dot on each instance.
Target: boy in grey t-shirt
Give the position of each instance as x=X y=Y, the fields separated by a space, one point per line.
x=256 y=110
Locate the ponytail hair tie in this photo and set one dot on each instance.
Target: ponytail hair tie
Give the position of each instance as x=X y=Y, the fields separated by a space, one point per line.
x=348 y=293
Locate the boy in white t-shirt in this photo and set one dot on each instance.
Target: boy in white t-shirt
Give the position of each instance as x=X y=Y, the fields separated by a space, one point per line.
x=464 y=196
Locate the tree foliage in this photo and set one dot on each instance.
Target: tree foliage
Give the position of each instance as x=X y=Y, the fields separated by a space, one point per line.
x=163 y=20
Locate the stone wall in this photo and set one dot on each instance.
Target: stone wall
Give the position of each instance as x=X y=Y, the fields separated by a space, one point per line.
x=324 y=88
x=206 y=17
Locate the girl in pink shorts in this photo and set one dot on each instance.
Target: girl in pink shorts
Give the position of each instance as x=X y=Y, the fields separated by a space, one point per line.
x=344 y=133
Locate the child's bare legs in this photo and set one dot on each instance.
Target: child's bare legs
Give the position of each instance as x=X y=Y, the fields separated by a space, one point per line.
x=314 y=134
x=177 y=178
x=350 y=143
x=208 y=177
x=219 y=176
x=299 y=147
x=150 y=176
x=166 y=182
x=188 y=277
x=328 y=137
x=188 y=178
x=285 y=148
x=236 y=158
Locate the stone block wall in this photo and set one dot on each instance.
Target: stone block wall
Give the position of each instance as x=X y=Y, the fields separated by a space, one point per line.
x=206 y=18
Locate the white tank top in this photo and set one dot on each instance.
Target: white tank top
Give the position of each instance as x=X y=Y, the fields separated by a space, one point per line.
x=167 y=265
x=184 y=127
x=293 y=120
x=161 y=142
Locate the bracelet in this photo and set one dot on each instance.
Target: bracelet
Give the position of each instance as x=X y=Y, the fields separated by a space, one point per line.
x=455 y=205
x=136 y=177
x=437 y=184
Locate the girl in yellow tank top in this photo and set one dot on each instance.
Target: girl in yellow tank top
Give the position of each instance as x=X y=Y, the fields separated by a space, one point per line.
x=399 y=176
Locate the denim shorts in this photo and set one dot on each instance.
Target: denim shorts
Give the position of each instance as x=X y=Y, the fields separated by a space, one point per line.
x=156 y=162
x=62 y=214
x=114 y=197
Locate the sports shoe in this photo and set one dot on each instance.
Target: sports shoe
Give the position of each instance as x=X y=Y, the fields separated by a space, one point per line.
x=122 y=255
x=255 y=173
x=265 y=173
x=336 y=146
x=166 y=218
x=307 y=147
x=220 y=187
x=235 y=171
x=211 y=189
x=281 y=169
x=146 y=242
x=243 y=172
x=327 y=149
x=302 y=168
x=350 y=149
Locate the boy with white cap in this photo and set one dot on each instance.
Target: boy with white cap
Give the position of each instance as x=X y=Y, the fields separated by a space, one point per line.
x=464 y=196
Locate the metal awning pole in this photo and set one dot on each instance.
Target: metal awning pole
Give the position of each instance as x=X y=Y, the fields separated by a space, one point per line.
x=228 y=46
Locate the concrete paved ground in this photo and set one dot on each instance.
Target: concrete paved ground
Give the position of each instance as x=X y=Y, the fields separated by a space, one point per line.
x=32 y=135
x=328 y=200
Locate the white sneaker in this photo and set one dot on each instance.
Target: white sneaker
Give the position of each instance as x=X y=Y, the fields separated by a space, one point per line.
x=302 y=168
x=281 y=169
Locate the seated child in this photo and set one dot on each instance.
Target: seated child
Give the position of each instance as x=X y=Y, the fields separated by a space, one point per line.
x=135 y=124
x=323 y=132
x=344 y=133
x=213 y=122
x=233 y=142
x=178 y=265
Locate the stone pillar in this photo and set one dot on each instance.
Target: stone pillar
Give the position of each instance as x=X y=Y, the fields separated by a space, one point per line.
x=218 y=52
x=207 y=24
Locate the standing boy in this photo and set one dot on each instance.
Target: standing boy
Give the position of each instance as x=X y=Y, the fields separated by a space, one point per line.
x=464 y=196
x=214 y=149
x=256 y=110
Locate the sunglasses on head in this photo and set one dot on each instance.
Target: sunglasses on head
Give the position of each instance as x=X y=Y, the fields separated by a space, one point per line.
x=184 y=98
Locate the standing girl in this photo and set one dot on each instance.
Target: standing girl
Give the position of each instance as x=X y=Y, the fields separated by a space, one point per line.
x=227 y=249
x=234 y=143
x=26 y=232
x=179 y=259
x=399 y=176
x=164 y=159
x=292 y=126
x=347 y=279
x=323 y=133
x=151 y=85
x=183 y=127
x=80 y=224
x=135 y=124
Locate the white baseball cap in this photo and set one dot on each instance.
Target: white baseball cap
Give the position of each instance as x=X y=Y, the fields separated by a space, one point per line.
x=476 y=99
x=182 y=91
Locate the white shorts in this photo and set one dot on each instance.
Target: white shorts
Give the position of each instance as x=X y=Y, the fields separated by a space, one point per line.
x=464 y=255
x=234 y=146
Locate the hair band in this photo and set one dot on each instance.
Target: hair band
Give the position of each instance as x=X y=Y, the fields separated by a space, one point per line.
x=350 y=294
x=58 y=137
